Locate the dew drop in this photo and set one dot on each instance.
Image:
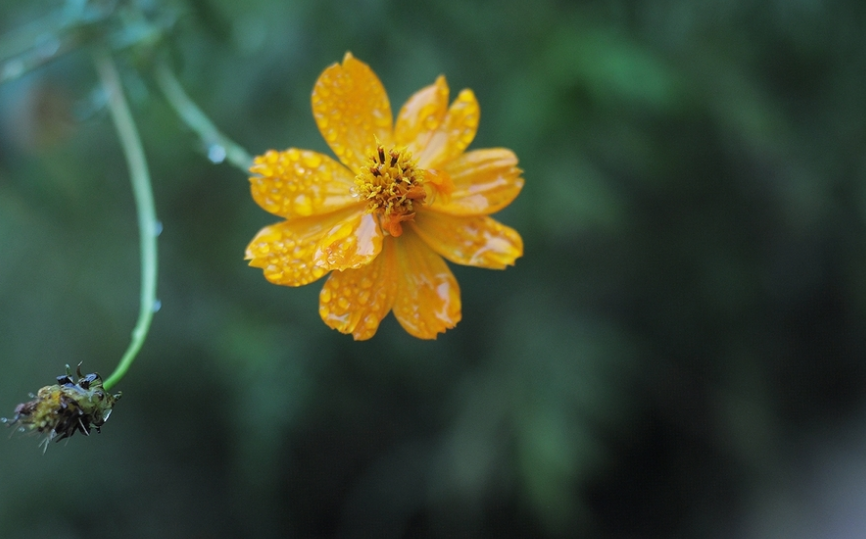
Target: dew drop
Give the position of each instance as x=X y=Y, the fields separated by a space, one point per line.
x=157 y=305
x=216 y=153
x=312 y=160
x=303 y=205
x=157 y=228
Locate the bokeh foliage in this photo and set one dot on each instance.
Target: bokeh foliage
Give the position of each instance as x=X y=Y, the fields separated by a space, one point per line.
x=687 y=318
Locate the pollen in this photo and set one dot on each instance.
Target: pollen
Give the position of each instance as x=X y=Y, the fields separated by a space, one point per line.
x=393 y=188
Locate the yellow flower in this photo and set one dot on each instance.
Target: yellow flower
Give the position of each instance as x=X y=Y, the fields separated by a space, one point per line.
x=405 y=196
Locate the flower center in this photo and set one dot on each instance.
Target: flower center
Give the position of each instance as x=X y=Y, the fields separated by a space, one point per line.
x=392 y=187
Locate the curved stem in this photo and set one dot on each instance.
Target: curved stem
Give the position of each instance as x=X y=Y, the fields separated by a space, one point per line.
x=148 y=226
x=214 y=140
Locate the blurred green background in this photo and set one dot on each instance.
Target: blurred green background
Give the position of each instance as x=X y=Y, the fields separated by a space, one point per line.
x=680 y=352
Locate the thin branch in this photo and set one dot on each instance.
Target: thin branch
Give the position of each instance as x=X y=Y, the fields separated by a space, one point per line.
x=219 y=146
x=148 y=226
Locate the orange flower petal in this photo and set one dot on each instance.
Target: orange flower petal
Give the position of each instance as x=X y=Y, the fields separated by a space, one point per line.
x=472 y=241
x=356 y=300
x=352 y=109
x=282 y=252
x=300 y=183
x=485 y=181
x=455 y=132
x=297 y=252
x=428 y=298
x=349 y=243
x=421 y=115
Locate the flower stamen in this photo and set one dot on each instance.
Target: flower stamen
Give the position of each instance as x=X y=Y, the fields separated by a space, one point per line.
x=392 y=186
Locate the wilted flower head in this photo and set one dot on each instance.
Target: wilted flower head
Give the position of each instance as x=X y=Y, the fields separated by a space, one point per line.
x=67 y=407
x=405 y=195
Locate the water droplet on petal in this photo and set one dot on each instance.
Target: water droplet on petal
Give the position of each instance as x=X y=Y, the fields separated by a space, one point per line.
x=157 y=305
x=216 y=153
x=303 y=205
x=157 y=228
x=312 y=160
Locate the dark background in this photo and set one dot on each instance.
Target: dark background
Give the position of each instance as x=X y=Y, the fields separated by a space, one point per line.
x=679 y=353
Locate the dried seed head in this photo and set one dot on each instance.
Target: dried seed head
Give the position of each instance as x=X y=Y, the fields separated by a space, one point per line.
x=62 y=409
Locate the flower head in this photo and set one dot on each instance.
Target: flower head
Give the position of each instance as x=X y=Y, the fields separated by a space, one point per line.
x=402 y=196
x=62 y=409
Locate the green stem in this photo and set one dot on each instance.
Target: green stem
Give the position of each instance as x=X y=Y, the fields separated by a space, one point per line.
x=148 y=226
x=195 y=119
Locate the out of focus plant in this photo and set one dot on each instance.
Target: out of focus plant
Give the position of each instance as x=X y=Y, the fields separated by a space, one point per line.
x=67 y=407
